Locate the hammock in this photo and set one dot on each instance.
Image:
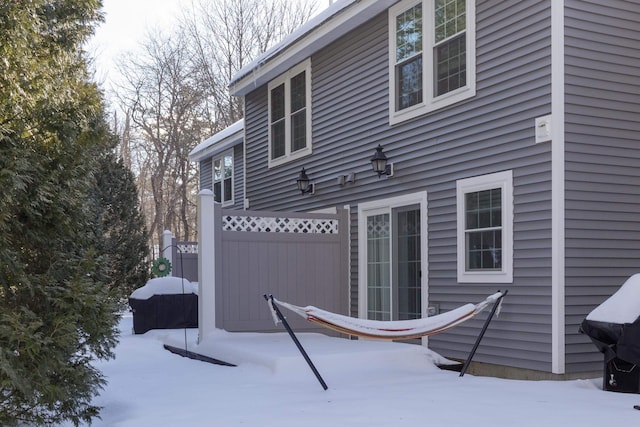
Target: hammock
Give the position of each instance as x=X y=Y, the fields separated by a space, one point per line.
x=388 y=330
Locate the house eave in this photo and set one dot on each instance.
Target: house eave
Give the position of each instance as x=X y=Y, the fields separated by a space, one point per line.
x=219 y=142
x=336 y=21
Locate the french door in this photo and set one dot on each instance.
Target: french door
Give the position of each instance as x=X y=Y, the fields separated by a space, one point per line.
x=392 y=258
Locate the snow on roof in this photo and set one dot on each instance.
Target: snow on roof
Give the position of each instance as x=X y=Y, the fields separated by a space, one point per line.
x=165 y=286
x=218 y=142
x=622 y=307
x=326 y=27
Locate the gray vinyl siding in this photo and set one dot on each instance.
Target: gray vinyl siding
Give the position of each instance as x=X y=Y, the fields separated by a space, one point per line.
x=491 y=132
x=602 y=158
x=206 y=174
x=513 y=87
x=238 y=176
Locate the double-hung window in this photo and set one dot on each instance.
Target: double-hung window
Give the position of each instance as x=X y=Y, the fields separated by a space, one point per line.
x=223 y=178
x=485 y=228
x=290 y=115
x=431 y=55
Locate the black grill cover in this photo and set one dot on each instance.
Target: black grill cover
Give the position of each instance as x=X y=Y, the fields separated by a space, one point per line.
x=614 y=326
x=615 y=340
x=164 y=312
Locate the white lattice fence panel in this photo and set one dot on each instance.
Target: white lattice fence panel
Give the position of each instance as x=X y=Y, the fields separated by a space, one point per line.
x=187 y=248
x=279 y=224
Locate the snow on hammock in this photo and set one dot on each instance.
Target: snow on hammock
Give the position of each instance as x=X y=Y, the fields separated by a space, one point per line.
x=390 y=330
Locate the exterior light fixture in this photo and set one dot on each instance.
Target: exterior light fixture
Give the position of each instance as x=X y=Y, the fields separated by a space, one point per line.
x=379 y=163
x=304 y=183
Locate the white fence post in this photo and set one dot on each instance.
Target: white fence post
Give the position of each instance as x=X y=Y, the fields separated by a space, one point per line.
x=167 y=248
x=206 y=264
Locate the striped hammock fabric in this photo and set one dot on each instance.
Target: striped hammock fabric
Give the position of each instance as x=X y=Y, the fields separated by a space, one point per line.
x=389 y=330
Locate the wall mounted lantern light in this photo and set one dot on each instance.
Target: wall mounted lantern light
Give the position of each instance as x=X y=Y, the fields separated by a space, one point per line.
x=379 y=163
x=304 y=183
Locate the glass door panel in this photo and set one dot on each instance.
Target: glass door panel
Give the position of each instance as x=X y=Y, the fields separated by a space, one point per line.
x=378 y=267
x=394 y=271
x=407 y=265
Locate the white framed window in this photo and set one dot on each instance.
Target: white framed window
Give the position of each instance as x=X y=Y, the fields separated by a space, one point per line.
x=431 y=56
x=290 y=115
x=485 y=228
x=223 y=178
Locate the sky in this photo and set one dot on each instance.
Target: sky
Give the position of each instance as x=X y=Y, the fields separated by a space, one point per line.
x=370 y=384
x=126 y=23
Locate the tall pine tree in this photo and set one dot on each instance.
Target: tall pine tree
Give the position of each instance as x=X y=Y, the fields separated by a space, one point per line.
x=57 y=314
x=123 y=226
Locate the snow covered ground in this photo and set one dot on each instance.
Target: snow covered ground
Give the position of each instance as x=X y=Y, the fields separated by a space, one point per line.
x=369 y=385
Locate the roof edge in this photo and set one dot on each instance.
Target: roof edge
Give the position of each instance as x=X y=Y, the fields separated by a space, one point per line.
x=228 y=137
x=334 y=22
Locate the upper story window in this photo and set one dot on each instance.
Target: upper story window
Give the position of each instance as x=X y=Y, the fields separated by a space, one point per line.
x=485 y=228
x=223 y=178
x=290 y=115
x=431 y=55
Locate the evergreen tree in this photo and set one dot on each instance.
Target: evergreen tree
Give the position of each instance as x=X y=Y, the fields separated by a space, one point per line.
x=125 y=234
x=56 y=315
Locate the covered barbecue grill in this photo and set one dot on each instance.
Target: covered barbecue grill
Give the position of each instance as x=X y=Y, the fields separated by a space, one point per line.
x=165 y=303
x=614 y=327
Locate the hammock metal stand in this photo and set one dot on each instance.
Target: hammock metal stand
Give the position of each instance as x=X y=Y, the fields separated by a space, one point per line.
x=276 y=310
x=484 y=329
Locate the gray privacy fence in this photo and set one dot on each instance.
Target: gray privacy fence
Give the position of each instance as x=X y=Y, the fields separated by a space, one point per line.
x=301 y=258
x=183 y=256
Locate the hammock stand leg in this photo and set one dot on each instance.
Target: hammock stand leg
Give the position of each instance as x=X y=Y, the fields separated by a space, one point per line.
x=484 y=329
x=295 y=340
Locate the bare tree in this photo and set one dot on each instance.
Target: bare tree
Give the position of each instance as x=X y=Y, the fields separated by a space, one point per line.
x=175 y=94
x=225 y=35
x=123 y=151
x=166 y=107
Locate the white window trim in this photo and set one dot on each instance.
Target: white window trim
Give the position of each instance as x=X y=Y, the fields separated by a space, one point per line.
x=286 y=79
x=221 y=157
x=430 y=103
x=504 y=181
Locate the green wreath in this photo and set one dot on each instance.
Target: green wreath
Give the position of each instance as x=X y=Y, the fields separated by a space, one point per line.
x=161 y=267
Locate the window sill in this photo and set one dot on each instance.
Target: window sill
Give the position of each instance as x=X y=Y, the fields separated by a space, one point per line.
x=485 y=277
x=291 y=157
x=443 y=101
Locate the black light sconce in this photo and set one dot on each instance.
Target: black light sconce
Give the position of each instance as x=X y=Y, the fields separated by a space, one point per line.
x=379 y=163
x=304 y=183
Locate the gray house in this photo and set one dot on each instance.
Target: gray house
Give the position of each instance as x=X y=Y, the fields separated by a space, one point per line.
x=221 y=163
x=511 y=133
